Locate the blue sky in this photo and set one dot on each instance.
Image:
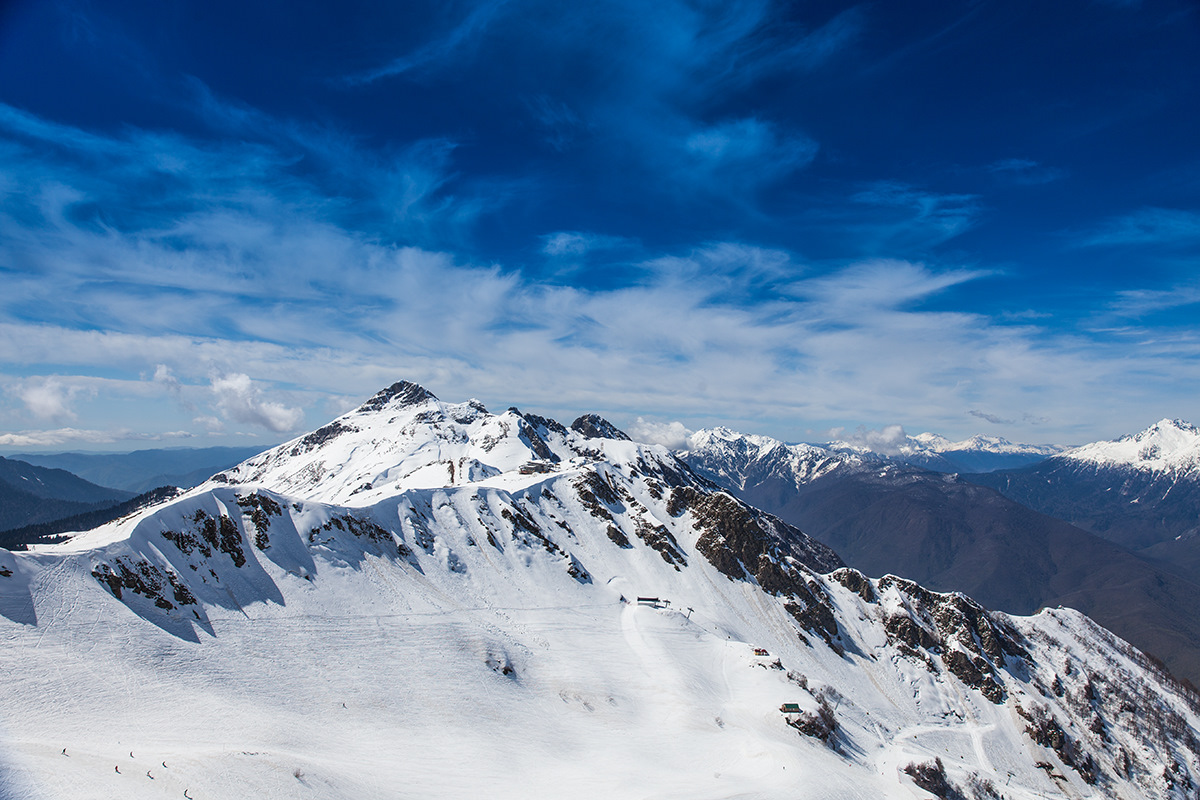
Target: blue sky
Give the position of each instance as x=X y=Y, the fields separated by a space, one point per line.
x=228 y=222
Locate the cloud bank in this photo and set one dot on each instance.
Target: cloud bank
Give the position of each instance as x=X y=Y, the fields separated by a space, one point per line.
x=244 y=280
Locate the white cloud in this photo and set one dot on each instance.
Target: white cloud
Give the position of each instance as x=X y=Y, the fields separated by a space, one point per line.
x=1148 y=226
x=577 y=243
x=49 y=399
x=71 y=436
x=211 y=424
x=1025 y=172
x=886 y=441
x=274 y=287
x=745 y=152
x=240 y=400
x=162 y=374
x=669 y=434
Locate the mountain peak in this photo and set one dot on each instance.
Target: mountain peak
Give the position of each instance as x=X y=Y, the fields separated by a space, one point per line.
x=399 y=394
x=594 y=426
x=1168 y=427
x=1169 y=445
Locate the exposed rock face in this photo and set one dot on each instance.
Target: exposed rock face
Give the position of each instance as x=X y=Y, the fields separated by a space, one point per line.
x=145 y=579
x=322 y=435
x=739 y=539
x=542 y=425
x=973 y=644
x=591 y=426
x=399 y=394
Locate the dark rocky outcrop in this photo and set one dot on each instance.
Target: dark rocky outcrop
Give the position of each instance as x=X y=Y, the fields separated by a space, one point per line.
x=260 y=508
x=543 y=425
x=530 y=436
x=145 y=579
x=399 y=394
x=592 y=426
x=209 y=536
x=734 y=533
x=973 y=643
x=320 y=436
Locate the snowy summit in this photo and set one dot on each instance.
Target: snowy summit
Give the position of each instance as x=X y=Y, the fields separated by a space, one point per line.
x=1169 y=446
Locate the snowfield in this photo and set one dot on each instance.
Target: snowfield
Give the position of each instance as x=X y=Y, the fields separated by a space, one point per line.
x=284 y=632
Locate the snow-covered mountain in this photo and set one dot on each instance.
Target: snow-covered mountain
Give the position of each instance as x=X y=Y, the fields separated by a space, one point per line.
x=1141 y=490
x=932 y=451
x=736 y=460
x=425 y=599
x=1168 y=446
x=952 y=535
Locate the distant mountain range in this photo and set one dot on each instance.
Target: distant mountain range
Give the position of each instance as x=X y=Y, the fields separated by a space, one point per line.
x=143 y=470
x=1139 y=491
x=884 y=516
x=31 y=494
x=46 y=532
x=937 y=453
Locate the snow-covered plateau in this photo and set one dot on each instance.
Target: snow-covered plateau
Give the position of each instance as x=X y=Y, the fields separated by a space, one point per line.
x=428 y=600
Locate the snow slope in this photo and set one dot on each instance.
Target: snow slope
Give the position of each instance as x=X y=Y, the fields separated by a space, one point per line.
x=282 y=631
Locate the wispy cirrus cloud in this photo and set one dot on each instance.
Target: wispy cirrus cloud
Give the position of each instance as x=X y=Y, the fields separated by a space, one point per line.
x=462 y=36
x=884 y=284
x=1025 y=172
x=936 y=216
x=249 y=298
x=571 y=244
x=657 y=104
x=1140 y=302
x=744 y=151
x=1147 y=227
